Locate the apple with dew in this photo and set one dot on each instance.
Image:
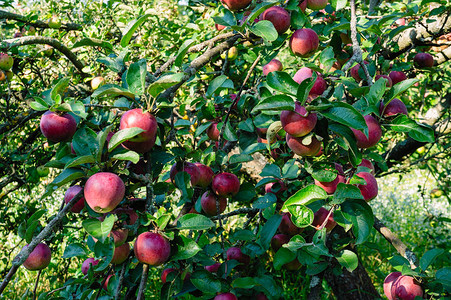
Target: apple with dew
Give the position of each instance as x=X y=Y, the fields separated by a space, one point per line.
x=213 y=131
x=236 y=254
x=88 y=264
x=287 y=226
x=423 y=60
x=395 y=107
x=317 y=4
x=278 y=240
x=213 y=268
x=208 y=203
x=226 y=296
x=370 y=189
x=6 y=62
x=58 y=127
x=319 y=218
x=39 y=258
x=235 y=5
x=187 y=167
x=300 y=147
x=97 y=82
x=388 y=81
x=388 y=283
x=355 y=71
x=367 y=164
x=397 y=76
x=299 y=122
x=205 y=175
x=304 y=42
x=144 y=141
x=70 y=194
x=406 y=288
x=374 y=133
x=302 y=5
x=279 y=17
x=165 y=274
x=152 y=248
x=104 y=191
x=54 y=22
x=320 y=84
x=272 y=66
x=225 y=184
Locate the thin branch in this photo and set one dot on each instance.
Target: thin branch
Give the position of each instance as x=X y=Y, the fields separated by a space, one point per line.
x=117 y=295
x=142 y=285
x=38 y=24
x=36 y=285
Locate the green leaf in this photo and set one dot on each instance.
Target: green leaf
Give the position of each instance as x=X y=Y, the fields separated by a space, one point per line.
x=428 y=258
x=271 y=170
x=346 y=191
x=39 y=105
x=338 y=4
x=355 y=156
x=59 y=89
x=30 y=230
x=240 y=158
x=268 y=230
x=187 y=249
x=66 y=176
x=275 y=103
x=444 y=277
x=136 y=77
x=377 y=91
x=85 y=142
x=227 y=18
x=301 y=215
x=36 y=216
x=282 y=82
x=229 y=133
x=122 y=136
x=74 y=250
x=266 y=30
x=348 y=259
x=131 y=28
x=345 y=114
x=316 y=268
x=98 y=229
x=305 y=196
x=112 y=90
x=80 y=160
x=92 y=43
x=164 y=83
x=400 y=88
x=244 y=283
x=283 y=256
x=101 y=139
x=258 y=10
x=418 y=132
x=126 y=155
x=216 y=84
x=206 y=282
x=194 y=222
x=304 y=88
x=361 y=217
x=182 y=51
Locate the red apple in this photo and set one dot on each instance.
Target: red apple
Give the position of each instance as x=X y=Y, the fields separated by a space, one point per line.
x=261 y=296
x=104 y=191
x=119 y=236
x=89 y=263
x=213 y=132
x=187 y=167
x=395 y=107
x=205 y=175
x=39 y=258
x=320 y=216
x=299 y=122
x=58 y=127
x=219 y=27
x=6 y=62
x=355 y=71
x=166 y=273
x=261 y=132
x=105 y=284
x=275 y=187
x=320 y=84
x=226 y=296
x=388 y=283
x=297 y=145
x=152 y=248
x=302 y=5
x=317 y=4
x=213 y=268
x=397 y=76
x=236 y=254
x=423 y=60
x=374 y=133
x=287 y=226
x=234 y=5
x=278 y=240
x=208 y=202
x=368 y=164
x=406 y=288
x=70 y=193
x=388 y=81
x=226 y=184
x=294 y=265
x=330 y=187
x=370 y=189
x=272 y=66
x=120 y=254
x=279 y=17
x=144 y=141
x=304 y=42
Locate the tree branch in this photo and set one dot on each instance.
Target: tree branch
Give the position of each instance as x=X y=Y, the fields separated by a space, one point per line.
x=142 y=285
x=37 y=24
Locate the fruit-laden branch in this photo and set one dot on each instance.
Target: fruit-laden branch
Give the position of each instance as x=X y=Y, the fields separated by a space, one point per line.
x=37 y=24
x=25 y=252
x=419 y=34
x=396 y=242
x=43 y=40
x=443 y=56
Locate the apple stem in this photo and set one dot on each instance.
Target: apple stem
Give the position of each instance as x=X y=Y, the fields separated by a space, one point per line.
x=142 y=285
x=36 y=284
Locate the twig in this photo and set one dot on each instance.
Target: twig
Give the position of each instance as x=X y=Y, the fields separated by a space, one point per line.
x=36 y=284
x=142 y=285
x=117 y=295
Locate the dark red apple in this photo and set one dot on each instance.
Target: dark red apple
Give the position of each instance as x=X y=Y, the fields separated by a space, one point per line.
x=165 y=274
x=397 y=76
x=213 y=268
x=261 y=132
x=205 y=175
x=226 y=184
x=219 y=27
x=70 y=194
x=213 y=132
x=355 y=71
x=187 y=167
x=406 y=288
x=226 y=296
x=395 y=107
x=236 y=254
x=320 y=84
x=304 y=42
x=317 y=4
x=89 y=263
x=152 y=248
x=57 y=127
x=119 y=236
x=279 y=17
x=208 y=202
x=275 y=187
x=370 y=189
x=39 y=258
x=272 y=66
x=423 y=60
x=104 y=191
x=330 y=187
x=374 y=133
x=287 y=226
x=120 y=254
x=105 y=284
x=388 y=81
x=261 y=296
x=234 y=5
x=299 y=122
x=368 y=164
x=278 y=240
x=294 y=265
x=297 y=145
x=319 y=218
x=302 y=5
x=144 y=141
x=388 y=283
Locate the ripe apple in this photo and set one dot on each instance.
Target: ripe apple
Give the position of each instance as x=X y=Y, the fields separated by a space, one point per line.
x=397 y=76
x=234 y=5
x=97 y=82
x=225 y=184
x=104 y=191
x=219 y=27
x=272 y=66
x=388 y=81
x=226 y=296
x=355 y=71
x=205 y=175
x=423 y=60
x=166 y=273
x=208 y=203
x=89 y=263
x=58 y=127
x=304 y=42
x=187 y=167
x=276 y=188
x=330 y=187
x=213 y=268
x=287 y=226
x=152 y=248
x=297 y=145
x=279 y=17
x=6 y=62
x=368 y=164
x=54 y=22
x=374 y=133
x=119 y=236
x=320 y=216
x=395 y=107
x=213 y=131
x=388 y=283
x=236 y=254
x=302 y=5
x=144 y=141
x=261 y=296
x=370 y=189
x=70 y=194
x=406 y=288
x=39 y=258
x=320 y=84
x=2 y=76
x=317 y=4
x=105 y=284
x=299 y=122
x=278 y=240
